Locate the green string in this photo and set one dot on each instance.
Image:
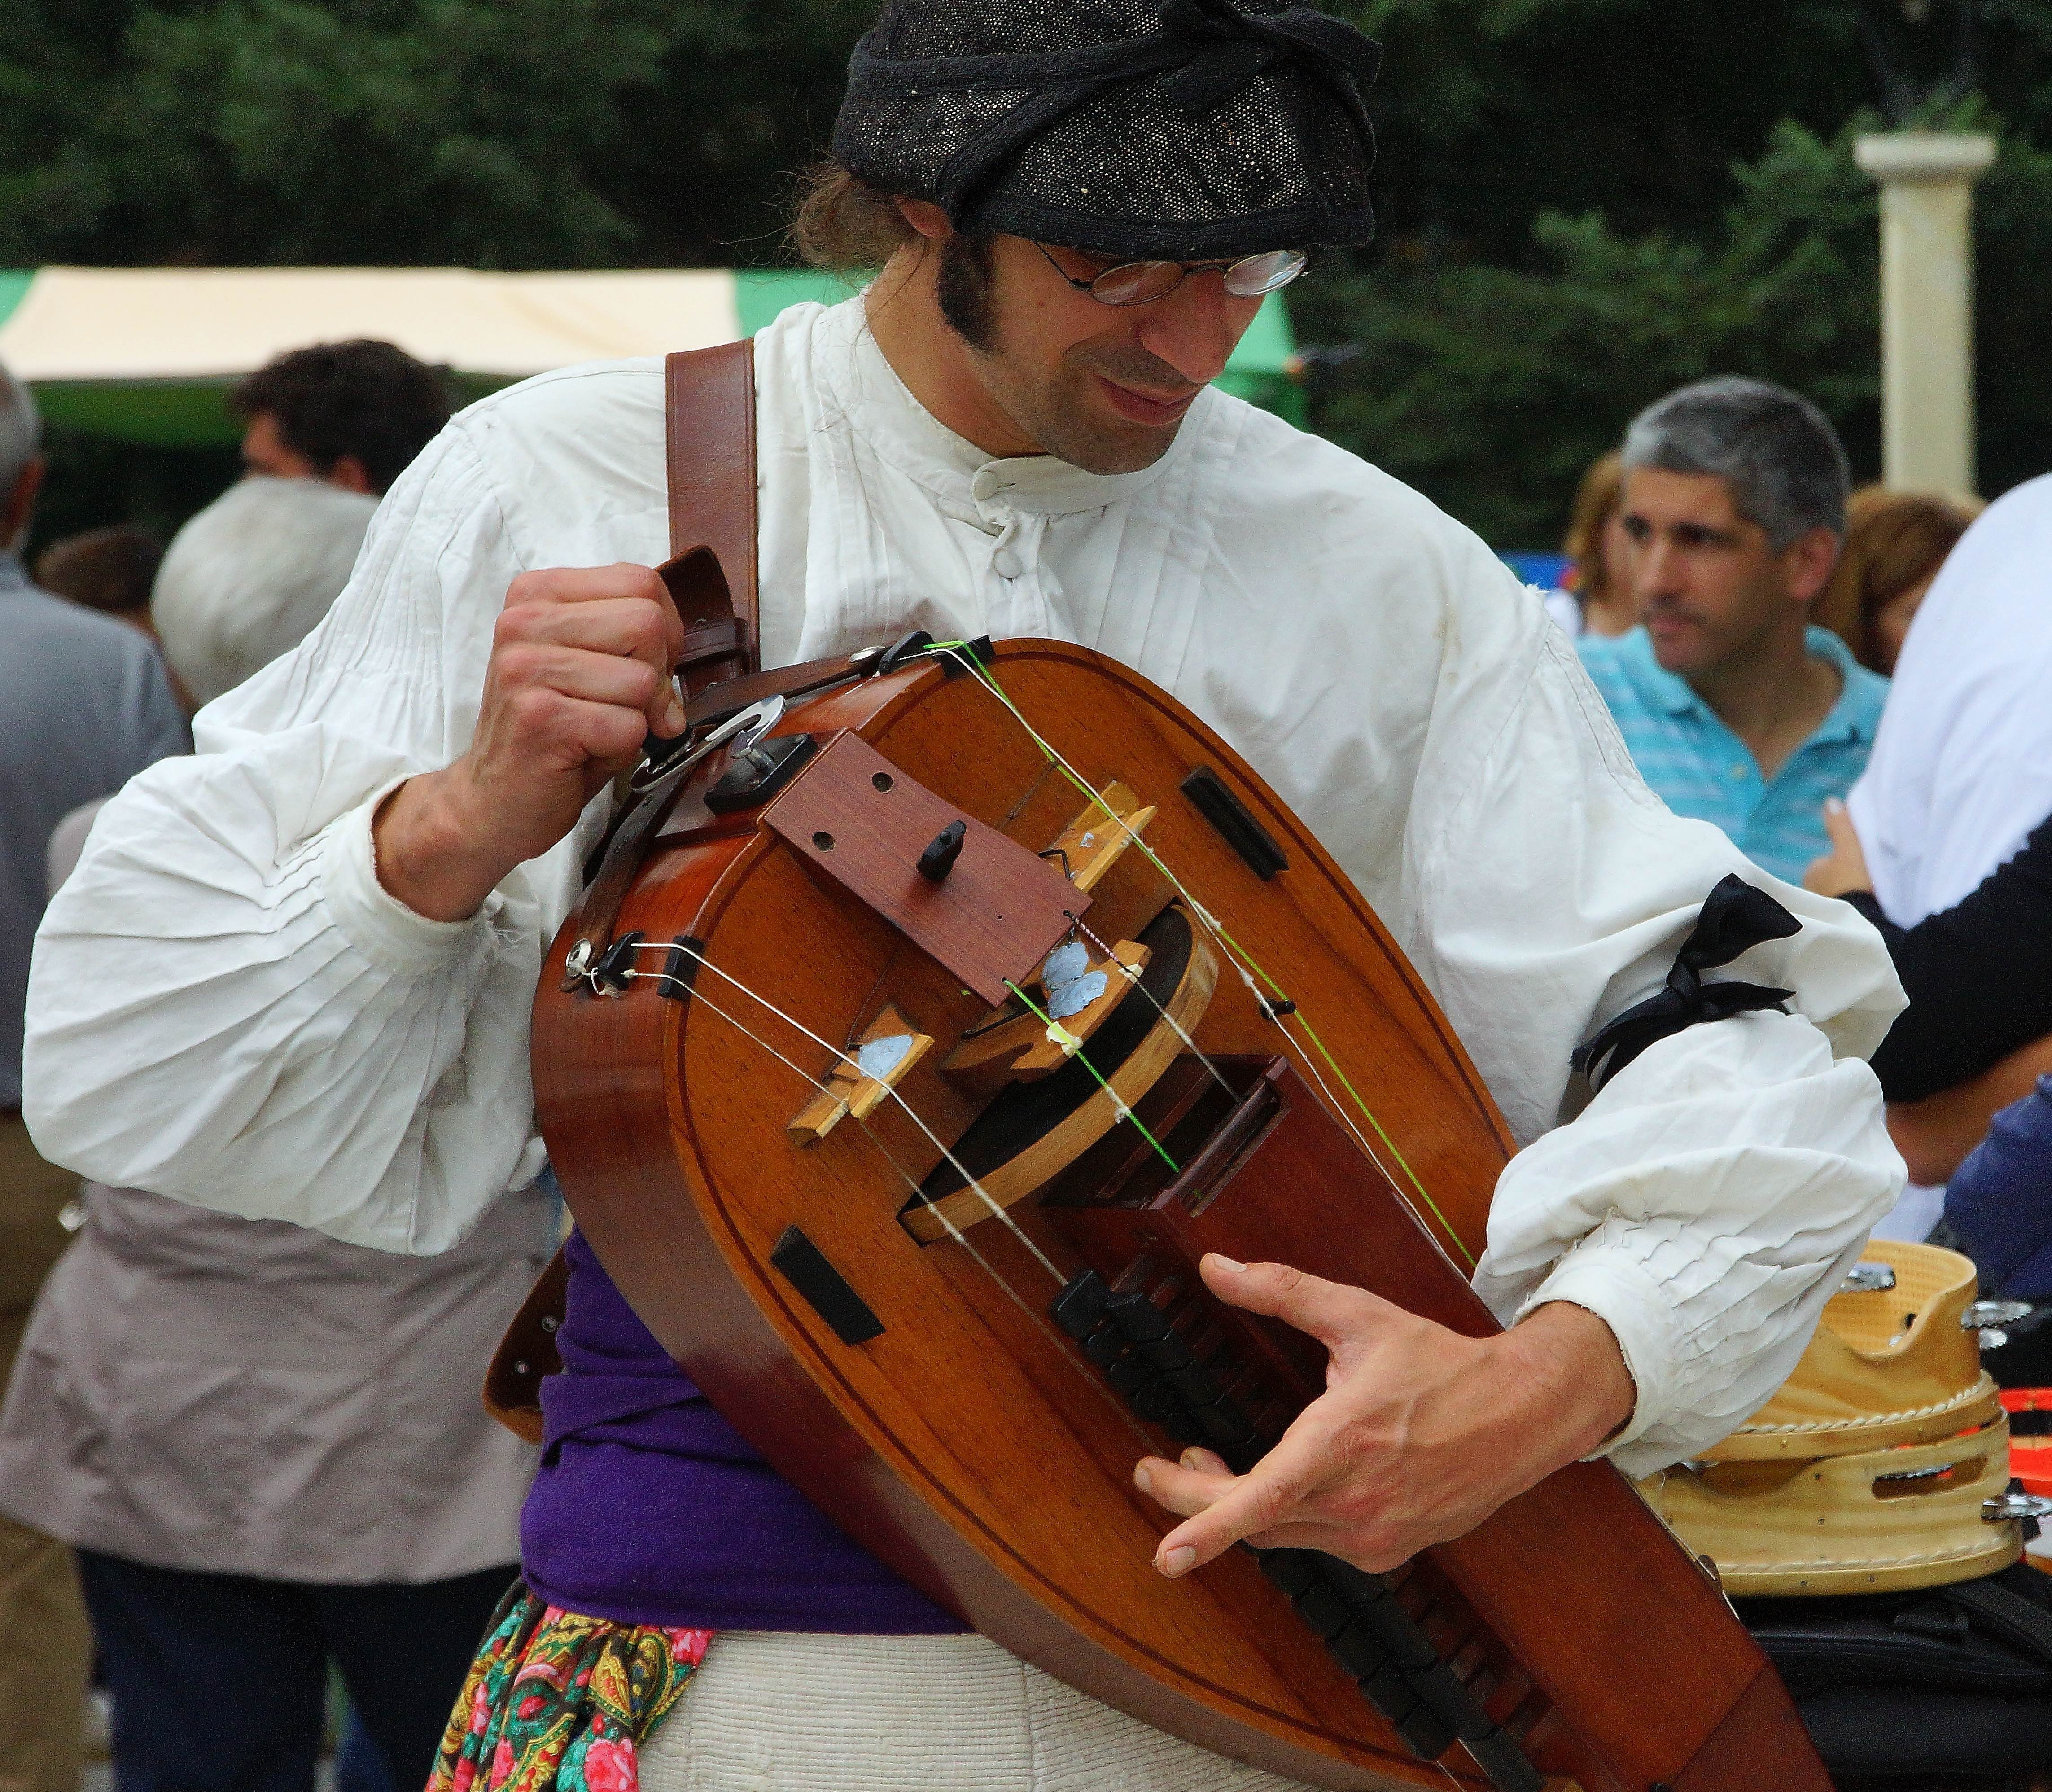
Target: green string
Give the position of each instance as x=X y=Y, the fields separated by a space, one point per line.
x=1332 y=1063
x=983 y=674
x=1126 y=1113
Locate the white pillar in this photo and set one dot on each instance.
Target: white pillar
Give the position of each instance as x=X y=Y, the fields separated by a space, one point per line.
x=1927 y=304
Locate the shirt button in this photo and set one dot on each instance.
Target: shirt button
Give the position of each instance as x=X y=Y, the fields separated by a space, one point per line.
x=1738 y=771
x=984 y=486
x=1005 y=564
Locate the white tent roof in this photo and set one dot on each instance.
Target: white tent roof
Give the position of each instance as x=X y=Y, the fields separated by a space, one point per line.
x=156 y=324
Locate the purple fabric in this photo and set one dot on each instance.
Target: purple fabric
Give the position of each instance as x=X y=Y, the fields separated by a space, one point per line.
x=650 y=1509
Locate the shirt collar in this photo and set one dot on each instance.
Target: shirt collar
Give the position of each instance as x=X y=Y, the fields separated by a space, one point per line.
x=878 y=406
x=14 y=575
x=1856 y=713
x=1854 y=716
x=1660 y=689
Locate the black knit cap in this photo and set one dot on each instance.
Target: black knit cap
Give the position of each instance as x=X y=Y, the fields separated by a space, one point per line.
x=1180 y=129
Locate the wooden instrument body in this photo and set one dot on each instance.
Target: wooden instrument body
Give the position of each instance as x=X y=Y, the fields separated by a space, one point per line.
x=968 y=1445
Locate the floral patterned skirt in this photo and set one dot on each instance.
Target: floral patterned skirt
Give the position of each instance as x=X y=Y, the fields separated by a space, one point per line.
x=557 y=1702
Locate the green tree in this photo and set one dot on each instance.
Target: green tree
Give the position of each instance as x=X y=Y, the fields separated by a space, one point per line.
x=494 y=133
x=1491 y=388
x=1583 y=201
x=1686 y=204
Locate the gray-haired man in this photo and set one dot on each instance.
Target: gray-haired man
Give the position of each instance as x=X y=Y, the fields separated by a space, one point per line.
x=83 y=706
x=1736 y=710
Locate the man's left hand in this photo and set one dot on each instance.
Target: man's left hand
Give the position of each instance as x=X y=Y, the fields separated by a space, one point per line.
x=1421 y=1434
x=1844 y=869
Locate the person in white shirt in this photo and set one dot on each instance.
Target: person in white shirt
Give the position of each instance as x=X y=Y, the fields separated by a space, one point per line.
x=305 y=956
x=1961 y=769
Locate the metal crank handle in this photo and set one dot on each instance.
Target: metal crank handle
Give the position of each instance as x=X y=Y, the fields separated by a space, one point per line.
x=744 y=729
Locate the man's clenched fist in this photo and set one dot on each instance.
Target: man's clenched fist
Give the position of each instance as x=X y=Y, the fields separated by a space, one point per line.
x=579 y=675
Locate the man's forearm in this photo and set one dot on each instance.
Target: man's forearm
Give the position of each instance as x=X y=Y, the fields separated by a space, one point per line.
x=427 y=858
x=1580 y=1387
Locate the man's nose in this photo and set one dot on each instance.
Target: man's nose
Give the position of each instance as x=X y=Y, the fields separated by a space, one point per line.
x=1195 y=328
x=1656 y=569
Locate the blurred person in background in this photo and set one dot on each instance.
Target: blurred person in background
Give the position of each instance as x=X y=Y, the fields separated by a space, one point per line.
x=259 y=566
x=1599 y=597
x=1961 y=777
x=108 y=570
x=1736 y=709
x=111 y=570
x=1978 y=1032
x=267 y=1445
x=84 y=705
x=353 y=414
x=1979 y=977
x=1895 y=544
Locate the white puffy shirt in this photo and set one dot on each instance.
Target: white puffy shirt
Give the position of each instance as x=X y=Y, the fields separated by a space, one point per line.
x=227 y=1006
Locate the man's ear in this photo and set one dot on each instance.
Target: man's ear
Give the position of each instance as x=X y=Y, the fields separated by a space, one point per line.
x=19 y=505
x=1809 y=559
x=926 y=217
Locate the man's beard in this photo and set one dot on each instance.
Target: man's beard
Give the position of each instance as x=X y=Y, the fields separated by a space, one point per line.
x=1056 y=414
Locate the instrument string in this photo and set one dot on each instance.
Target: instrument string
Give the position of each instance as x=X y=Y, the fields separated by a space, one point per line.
x=797 y=1026
x=1303 y=1021
x=1242 y=961
x=1118 y=1106
x=1107 y=1396
x=1063 y=1349
x=1160 y=1008
x=1243 y=964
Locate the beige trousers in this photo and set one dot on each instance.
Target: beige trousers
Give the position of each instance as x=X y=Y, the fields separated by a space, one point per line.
x=779 y=1711
x=45 y=1641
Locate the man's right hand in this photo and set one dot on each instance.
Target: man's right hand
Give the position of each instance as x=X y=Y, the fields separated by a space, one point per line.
x=579 y=676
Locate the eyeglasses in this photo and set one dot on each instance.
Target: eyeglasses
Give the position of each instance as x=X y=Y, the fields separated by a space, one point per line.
x=1142 y=283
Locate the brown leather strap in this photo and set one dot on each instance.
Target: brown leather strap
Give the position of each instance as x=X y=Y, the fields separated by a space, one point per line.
x=735 y=694
x=709 y=402
x=527 y=1352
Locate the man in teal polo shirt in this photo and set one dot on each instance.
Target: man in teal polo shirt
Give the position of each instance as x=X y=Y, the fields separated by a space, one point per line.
x=1736 y=710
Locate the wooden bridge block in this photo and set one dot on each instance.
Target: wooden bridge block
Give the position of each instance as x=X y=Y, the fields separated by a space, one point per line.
x=888 y=1048
x=1092 y=844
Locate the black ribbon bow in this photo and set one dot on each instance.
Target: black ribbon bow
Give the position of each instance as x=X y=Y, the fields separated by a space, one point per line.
x=1216 y=51
x=1736 y=917
x=1229 y=50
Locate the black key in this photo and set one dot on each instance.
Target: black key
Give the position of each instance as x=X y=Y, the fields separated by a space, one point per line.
x=1136 y=1316
x=1359 y=1650
x=1170 y=1351
x=1104 y=1346
x=1407 y=1646
x=1292 y=1570
x=1441 y=1689
x=1157 y=1403
x=1498 y=1755
x=1078 y=1309
x=1130 y=1374
x=1361 y=1587
x=1226 y=1426
x=1427 y=1735
x=1323 y=1609
x=1390 y=1693
x=1195 y=1385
